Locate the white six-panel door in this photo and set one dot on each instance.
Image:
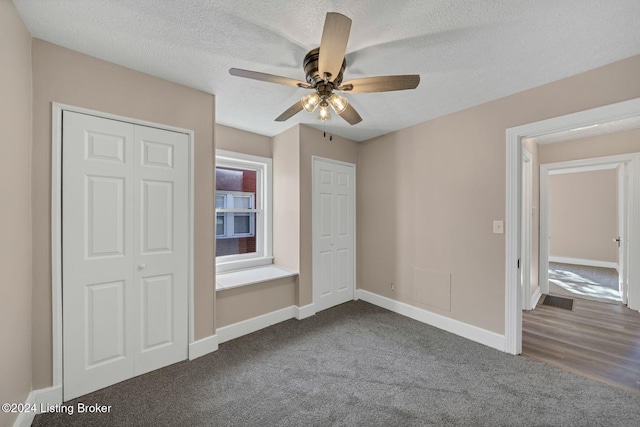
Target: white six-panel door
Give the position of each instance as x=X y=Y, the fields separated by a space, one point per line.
x=333 y=233
x=125 y=251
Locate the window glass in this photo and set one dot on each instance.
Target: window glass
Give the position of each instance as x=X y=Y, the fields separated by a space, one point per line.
x=242 y=202
x=235 y=231
x=219 y=224
x=241 y=224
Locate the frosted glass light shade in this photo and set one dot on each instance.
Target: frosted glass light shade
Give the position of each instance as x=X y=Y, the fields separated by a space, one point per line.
x=310 y=102
x=323 y=111
x=338 y=103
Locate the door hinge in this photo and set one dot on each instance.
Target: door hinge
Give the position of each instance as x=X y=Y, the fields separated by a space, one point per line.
x=518 y=263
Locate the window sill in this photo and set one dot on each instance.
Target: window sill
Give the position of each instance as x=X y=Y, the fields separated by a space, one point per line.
x=250 y=276
x=241 y=264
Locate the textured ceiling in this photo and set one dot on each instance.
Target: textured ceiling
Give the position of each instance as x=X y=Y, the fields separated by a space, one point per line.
x=467 y=52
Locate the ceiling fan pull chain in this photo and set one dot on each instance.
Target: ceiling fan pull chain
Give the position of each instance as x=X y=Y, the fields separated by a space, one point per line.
x=330 y=131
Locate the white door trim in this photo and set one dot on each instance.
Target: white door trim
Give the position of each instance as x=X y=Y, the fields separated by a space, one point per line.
x=56 y=225
x=623 y=231
x=514 y=136
x=527 y=238
x=315 y=225
x=600 y=163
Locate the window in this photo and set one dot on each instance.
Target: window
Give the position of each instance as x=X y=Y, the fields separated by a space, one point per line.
x=243 y=211
x=235 y=213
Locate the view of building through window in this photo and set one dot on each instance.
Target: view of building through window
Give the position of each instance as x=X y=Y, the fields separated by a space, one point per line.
x=235 y=211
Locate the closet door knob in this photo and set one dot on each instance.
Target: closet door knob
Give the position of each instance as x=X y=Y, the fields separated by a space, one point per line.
x=142 y=266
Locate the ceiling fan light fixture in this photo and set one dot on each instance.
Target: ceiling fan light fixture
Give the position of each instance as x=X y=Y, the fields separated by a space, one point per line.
x=323 y=111
x=338 y=103
x=324 y=68
x=310 y=102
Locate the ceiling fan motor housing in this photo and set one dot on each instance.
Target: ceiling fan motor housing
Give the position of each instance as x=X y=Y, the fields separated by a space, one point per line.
x=313 y=75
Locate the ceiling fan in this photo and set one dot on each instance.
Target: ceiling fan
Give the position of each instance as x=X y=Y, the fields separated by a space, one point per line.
x=324 y=67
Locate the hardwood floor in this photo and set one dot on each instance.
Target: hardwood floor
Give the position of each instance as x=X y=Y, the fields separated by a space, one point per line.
x=597 y=340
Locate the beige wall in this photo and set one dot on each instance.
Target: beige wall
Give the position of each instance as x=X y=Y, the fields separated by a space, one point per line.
x=595 y=146
x=240 y=141
x=236 y=305
x=15 y=209
x=286 y=198
x=427 y=195
x=69 y=77
x=583 y=217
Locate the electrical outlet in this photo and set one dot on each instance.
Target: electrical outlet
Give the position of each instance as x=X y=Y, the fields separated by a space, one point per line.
x=393 y=287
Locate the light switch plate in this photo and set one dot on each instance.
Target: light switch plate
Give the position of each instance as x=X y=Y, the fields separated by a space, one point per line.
x=498 y=227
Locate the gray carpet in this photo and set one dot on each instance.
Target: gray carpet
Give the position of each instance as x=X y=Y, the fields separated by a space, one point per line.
x=357 y=365
x=594 y=283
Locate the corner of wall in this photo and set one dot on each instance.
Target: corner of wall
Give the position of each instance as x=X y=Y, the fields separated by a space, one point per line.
x=16 y=228
x=286 y=196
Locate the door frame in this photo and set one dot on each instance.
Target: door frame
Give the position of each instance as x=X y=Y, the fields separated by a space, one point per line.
x=315 y=224
x=575 y=166
x=527 y=237
x=513 y=216
x=56 y=227
x=623 y=231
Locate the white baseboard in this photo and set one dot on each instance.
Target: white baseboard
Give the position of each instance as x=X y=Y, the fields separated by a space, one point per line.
x=582 y=261
x=470 y=332
x=45 y=396
x=50 y=395
x=203 y=346
x=26 y=418
x=535 y=298
x=305 y=311
x=236 y=330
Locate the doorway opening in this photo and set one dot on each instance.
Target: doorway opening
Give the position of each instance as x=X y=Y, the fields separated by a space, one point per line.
x=627 y=110
x=584 y=235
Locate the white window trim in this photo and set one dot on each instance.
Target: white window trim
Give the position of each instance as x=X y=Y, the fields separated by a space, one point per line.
x=263 y=202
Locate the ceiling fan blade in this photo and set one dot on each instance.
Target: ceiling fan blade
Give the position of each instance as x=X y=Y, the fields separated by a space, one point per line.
x=267 y=78
x=381 y=83
x=333 y=45
x=290 y=112
x=351 y=115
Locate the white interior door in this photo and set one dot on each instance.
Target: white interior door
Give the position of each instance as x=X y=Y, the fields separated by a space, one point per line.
x=125 y=254
x=97 y=259
x=161 y=247
x=333 y=233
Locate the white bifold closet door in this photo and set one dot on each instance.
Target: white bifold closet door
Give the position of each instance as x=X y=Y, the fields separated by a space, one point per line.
x=124 y=251
x=334 y=233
